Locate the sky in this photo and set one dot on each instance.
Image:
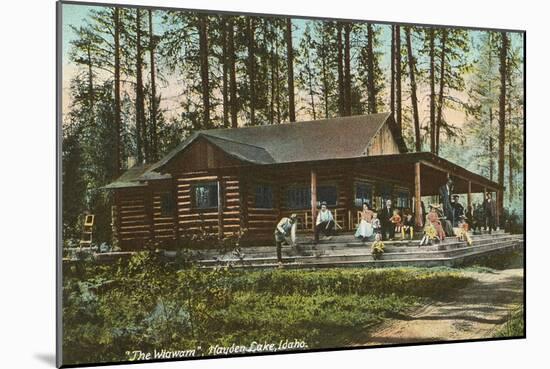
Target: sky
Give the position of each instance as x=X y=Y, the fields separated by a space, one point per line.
x=75 y=15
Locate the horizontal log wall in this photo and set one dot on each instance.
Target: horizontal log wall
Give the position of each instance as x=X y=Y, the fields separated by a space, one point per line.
x=163 y=224
x=132 y=220
x=140 y=217
x=261 y=222
x=192 y=220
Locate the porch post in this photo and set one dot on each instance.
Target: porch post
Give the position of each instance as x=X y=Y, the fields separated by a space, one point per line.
x=220 y=207
x=417 y=196
x=469 y=196
x=497 y=215
x=313 y=197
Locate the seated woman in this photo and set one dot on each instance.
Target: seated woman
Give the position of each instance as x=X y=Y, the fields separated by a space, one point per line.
x=364 y=229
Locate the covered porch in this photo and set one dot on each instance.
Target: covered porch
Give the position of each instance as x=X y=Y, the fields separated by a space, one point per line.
x=346 y=183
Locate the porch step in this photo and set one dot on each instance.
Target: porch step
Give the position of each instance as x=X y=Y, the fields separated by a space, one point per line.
x=355 y=248
x=419 y=257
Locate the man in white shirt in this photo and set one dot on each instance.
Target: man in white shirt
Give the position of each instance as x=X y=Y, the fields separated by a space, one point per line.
x=324 y=222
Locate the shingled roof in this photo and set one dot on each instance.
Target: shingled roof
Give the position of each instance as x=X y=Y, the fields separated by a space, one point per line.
x=335 y=138
x=136 y=177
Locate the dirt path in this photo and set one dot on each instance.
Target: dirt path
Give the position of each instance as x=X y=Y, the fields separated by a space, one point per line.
x=474 y=312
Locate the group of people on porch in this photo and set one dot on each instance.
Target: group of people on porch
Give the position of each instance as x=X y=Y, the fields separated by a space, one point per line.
x=449 y=217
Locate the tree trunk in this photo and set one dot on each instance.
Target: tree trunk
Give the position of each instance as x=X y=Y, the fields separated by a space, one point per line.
x=491 y=145
x=325 y=85
x=392 y=72
x=440 y=101
x=225 y=70
x=310 y=85
x=432 y=90
x=273 y=81
x=251 y=71
x=118 y=114
x=370 y=71
x=341 y=97
x=290 y=67
x=510 y=156
x=141 y=141
x=90 y=85
x=277 y=85
x=414 y=101
x=205 y=82
x=502 y=115
x=511 y=185
x=347 y=69
x=232 y=73
x=154 y=108
x=398 y=112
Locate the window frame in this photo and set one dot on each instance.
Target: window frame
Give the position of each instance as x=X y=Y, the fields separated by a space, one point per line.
x=270 y=186
x=167 y=195
x=402 y=191
x=295 y=188
x=194 y=187
x=369 y=185
x=307 y=189
x=327 y=185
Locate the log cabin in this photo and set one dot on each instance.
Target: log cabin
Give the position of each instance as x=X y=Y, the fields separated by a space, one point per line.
x=240 y=181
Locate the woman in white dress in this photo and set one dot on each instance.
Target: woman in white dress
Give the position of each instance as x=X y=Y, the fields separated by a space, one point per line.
x=364 y=229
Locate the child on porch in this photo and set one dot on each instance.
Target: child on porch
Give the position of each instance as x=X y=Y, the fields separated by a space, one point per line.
x=408 y=225
x=376 y=226
x=396 y=221
x=462 y=230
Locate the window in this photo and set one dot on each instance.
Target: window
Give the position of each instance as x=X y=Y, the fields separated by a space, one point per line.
x=299 y=198
x=264 y=196
x=363 y=193
x=402 y=199
x=205 y=195
x=329 y=194
x=166 y=204
x=385 y=191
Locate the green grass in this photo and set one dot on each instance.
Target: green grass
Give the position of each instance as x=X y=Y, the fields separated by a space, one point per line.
x=514 y=326
x=146 y=304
